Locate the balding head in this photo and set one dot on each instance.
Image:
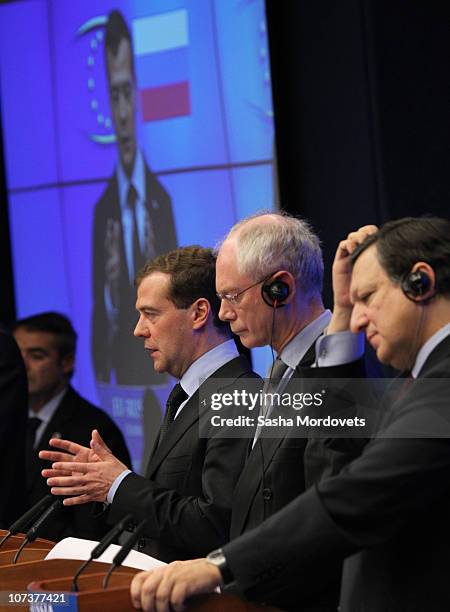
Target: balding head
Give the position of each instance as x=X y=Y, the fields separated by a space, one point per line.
x=268 y=242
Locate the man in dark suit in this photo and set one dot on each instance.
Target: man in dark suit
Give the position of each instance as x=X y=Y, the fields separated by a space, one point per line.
x=133 y=222
x=285 y=310
x=13 y=420
x=386 y=512
x=187 y=492
x=48 y=344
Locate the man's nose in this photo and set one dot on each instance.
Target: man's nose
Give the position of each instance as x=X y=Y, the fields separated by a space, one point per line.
x=359 y=320
x=226 y=312
x=140 y=330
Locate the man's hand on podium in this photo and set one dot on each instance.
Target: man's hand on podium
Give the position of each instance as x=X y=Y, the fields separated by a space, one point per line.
x=81 y=474
x=167 y=588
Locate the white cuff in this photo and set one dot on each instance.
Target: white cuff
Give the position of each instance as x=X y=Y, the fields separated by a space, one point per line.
x=115 y=485
x=339 y=348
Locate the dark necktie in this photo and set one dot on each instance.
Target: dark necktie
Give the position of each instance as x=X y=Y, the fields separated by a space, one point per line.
x=177 y=396
x=138 y=259
x=32 y=426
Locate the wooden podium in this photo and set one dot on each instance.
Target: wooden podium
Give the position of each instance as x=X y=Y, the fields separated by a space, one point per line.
x=34 y=574
x=116 y=598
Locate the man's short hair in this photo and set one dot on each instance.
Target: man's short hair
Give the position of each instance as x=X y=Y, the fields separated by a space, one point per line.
x=52 y=323
x=402 y=243
x=116 y=30
x=289 y=243
x=192 y=271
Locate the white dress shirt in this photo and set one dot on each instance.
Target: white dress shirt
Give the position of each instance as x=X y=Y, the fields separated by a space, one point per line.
x=45 y=414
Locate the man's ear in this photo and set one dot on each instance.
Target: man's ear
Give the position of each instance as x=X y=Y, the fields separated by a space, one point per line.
x=424 y=280
x=287 y=278
x=201 y=310
x=68 y=364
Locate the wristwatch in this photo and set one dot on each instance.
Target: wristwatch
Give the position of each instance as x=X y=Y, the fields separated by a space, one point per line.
x=217 y=558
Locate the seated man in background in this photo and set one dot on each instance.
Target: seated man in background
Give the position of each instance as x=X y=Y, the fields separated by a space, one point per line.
x=187 y=491
x=387 y=512
x=47 y=342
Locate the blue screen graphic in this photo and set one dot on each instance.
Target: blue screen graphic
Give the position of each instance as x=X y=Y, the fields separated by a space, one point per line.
x=204 y=127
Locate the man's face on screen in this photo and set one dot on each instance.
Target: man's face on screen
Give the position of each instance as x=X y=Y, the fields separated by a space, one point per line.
x=122 y=101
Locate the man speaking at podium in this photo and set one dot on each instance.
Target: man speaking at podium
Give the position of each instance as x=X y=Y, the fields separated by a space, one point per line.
x=387 y=512
x=187 y=492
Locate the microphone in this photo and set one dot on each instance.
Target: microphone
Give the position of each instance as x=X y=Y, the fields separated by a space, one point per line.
x=123 y=552
x=101 y=547
x=27 y=519
x=32 y=533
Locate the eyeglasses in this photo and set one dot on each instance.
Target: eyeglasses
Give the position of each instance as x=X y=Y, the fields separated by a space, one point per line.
x=234 y=298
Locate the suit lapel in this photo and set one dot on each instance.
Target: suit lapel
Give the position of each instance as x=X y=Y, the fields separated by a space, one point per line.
x=436 y=356
x=187 y=417
x=250 y=481
x=191 y=411
x=115 y=216
x=262 y=452
x=62 y=414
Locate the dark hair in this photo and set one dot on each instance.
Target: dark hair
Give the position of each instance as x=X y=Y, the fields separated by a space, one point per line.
x=52 y=323
x=116 y=30
x=192 y=271
x=402 y=243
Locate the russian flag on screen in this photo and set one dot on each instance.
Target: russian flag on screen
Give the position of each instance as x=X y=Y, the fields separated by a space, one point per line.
x=161 y=44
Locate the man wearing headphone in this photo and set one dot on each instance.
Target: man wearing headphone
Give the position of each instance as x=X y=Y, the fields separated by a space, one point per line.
x=269 y=278
x=387 y=512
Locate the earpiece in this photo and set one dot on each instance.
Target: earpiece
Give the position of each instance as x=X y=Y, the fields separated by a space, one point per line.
x=275 y=293
x=415 y=285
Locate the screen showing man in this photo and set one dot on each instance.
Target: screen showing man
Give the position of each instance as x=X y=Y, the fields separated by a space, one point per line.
x=133 y=223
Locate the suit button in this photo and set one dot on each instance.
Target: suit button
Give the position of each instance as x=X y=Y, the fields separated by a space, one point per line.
x=141 y=544
x=267 y=494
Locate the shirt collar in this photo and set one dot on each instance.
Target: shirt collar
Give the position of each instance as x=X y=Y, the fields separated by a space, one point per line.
x=137 y=178
x=428 y=348
x=48 y=410
x=207 y=364
x=297 y=348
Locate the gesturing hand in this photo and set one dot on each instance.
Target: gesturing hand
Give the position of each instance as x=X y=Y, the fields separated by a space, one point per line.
x=84 y=476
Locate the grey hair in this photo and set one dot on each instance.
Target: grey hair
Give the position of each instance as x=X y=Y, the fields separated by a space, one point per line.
x=288 y=244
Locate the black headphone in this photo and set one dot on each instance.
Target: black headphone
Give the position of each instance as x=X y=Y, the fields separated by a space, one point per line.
x=415 y=285
x=275 y=293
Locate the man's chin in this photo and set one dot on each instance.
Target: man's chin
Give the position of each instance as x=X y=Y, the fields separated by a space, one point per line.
x=386 y=357
x=250 y=342
x=158 y=366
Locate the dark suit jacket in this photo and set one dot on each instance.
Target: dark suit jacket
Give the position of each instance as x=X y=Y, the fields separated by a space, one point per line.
x=117 y=348
x=279 y=469
x=13 y=420
x=187 y=493
x=391 y=506
x=74 y=419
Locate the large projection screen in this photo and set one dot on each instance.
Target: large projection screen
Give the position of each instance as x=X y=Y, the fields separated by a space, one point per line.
x=204 y=133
